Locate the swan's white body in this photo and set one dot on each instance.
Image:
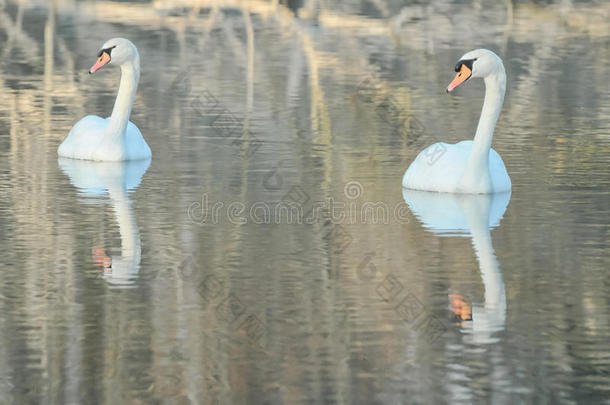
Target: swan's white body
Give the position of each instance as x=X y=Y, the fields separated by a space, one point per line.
x=447 y=173
x=114 y=138
x=474 y=216
x=470 y=167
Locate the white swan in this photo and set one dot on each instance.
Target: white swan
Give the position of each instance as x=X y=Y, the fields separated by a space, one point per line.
x=474 y=216
x=94 y=179
x=114 y=138
x=470 y=167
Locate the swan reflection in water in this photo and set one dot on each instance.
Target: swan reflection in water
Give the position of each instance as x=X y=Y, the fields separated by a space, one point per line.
x=95 y=179
x=473 y=216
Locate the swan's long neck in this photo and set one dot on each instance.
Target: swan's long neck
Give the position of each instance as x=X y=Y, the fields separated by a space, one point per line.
x=130 y=236
x=476 y=174
x=495 y=297
x=491 y=317
x=130 y=75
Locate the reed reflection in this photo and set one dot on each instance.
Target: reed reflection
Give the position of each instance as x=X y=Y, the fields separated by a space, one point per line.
x=95 y=179
x=459 y=215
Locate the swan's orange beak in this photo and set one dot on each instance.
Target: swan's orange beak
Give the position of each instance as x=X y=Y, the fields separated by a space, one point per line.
x=460 y=78
x=100 y=258
x=101 y=61
x=460 y=308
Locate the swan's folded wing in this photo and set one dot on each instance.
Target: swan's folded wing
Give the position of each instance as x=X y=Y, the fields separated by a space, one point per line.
x=83 y=138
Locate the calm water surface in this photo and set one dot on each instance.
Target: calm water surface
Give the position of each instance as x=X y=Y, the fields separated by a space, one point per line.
x=190 y=279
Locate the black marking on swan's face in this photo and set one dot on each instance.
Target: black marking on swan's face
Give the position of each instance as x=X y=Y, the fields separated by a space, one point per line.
x=467 y=62
x=106 y=51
